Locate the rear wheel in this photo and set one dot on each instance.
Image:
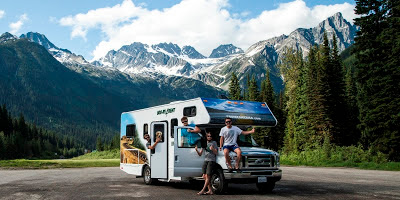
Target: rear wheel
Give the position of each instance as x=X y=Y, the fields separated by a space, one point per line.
x=147 y=176
x=265 y=187
x=218 y=182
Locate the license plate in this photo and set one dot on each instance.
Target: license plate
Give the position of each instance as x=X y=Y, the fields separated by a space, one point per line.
x=262 y=179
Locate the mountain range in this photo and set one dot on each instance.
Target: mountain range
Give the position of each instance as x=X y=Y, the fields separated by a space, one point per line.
x=60 y=90
x=216 y=70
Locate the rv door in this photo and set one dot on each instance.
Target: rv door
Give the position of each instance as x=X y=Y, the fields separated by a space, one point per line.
x=158 y=159
x=187 y=163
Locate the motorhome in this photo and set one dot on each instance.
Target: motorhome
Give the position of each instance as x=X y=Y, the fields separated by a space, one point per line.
x=175 y=160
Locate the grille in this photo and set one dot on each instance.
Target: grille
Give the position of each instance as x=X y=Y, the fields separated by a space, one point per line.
x=260 y=161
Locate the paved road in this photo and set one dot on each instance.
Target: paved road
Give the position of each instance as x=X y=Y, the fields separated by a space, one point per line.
x=111 y=183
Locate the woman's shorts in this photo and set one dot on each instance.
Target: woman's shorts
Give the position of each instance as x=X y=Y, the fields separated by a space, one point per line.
x=208 y=167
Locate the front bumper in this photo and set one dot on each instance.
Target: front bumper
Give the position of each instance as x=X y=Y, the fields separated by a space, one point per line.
x=275 y=174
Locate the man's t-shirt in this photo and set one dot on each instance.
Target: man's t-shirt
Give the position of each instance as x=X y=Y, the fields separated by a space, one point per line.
x=209 y=155
x=230 y=135
x=192 y=138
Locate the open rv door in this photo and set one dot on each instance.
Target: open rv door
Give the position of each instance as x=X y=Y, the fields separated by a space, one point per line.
x=187 y=163
x=159 y=158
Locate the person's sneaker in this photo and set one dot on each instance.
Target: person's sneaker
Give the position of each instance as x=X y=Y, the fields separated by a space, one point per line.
x=230 y=170
x=238 y=170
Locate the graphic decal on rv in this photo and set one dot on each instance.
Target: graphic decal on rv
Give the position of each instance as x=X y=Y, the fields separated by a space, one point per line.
x=166 y=111
x=241 y=112
x=132 y=149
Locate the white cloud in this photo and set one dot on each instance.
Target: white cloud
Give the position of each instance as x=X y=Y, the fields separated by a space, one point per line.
x=2 y=13
x=107 y=19
x=203 y=24
x=16 y=26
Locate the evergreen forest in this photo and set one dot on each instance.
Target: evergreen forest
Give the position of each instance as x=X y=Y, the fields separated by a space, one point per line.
x=18 y=139
x=348 y=103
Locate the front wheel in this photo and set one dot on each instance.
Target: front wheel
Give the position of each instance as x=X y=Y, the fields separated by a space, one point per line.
x=147 y=176
x=218 y=182
x=265 y=187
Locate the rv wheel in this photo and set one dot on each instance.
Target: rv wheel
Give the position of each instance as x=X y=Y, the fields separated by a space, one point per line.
x=147 y=176
x=265 y=187
x=218 y=182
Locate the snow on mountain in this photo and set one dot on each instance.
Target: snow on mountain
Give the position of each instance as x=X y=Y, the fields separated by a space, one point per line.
x=5 y=37
x=225 y=50
x=169 y=59
x=264 y=55
x=62 y=55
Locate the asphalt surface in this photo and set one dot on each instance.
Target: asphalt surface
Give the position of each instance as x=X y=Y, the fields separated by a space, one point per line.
x=112 y=183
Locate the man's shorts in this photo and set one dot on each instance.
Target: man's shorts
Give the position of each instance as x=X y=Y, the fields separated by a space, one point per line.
x=208 y=167
x=230 y=147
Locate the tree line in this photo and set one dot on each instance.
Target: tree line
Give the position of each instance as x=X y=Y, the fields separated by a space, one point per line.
x=19 y=139
x=328 y=102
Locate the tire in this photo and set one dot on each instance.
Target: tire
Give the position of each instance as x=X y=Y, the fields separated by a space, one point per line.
x=265 y=187
x=147 y=176
x=218 y=182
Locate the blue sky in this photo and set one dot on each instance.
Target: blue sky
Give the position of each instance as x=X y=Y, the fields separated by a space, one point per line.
x=93 y=27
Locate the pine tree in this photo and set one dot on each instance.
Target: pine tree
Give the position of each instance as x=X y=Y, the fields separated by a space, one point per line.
x=351 y=107
x=267 y=93
x=289 y=69
x=316 y=94
x=247 y=89
x=99 y=144
x=234 y=88
x=253 y=90
x=377 y=48
x=3 y=144
x=301 y=135
x=337 y=104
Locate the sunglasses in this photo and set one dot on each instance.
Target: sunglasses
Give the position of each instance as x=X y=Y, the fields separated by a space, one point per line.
x=184 y=121
x=209 y=136
x=228 y=122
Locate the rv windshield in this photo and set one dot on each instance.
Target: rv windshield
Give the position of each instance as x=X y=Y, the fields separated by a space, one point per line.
x=246 y=141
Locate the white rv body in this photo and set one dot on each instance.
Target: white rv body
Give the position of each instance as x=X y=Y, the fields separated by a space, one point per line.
x=171 y=161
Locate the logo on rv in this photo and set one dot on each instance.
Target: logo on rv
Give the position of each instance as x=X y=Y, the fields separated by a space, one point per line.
x=166 y=111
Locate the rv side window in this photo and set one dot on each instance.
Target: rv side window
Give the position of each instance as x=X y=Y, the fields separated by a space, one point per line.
x=189 y=111
x=130 y=131
x=145 y=129
x=158 y=132
x=174 y=122
x=188 y=140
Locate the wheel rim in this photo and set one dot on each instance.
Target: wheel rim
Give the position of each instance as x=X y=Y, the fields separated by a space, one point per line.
x=215 y=182
x=147 y=175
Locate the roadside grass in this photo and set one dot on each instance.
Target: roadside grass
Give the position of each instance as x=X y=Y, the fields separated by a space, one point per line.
x=335 y=156
x=62 y=163
x=389 y=166
x=94 y=159
x=110 y=154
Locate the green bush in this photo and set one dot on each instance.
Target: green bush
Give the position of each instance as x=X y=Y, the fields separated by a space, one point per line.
x=110 y=154
x=336 y=156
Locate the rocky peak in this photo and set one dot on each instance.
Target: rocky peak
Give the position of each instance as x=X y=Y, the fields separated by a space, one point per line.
x=336 y=24
x=172 y=49
x=62 y=55
x=225 y=50
x=192 y=53
x=7 y=37
x=40 y=39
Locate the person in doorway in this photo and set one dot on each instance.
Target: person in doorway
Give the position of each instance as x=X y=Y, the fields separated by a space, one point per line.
x=209 y=162
x=191 y=136
x=228 y=142
x=146 y=136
